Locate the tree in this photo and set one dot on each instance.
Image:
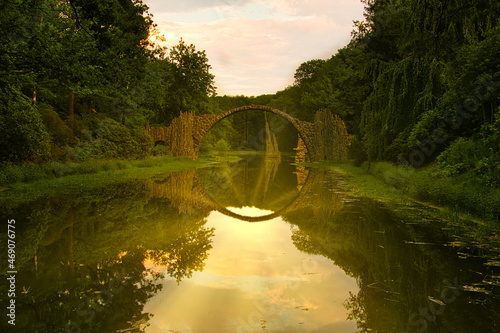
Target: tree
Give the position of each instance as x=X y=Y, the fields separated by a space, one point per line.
x=71 y=55
x=308 y=70
x=193 y=81
x=114 y=49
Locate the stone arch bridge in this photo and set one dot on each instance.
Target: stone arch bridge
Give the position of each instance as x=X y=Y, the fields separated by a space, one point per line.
x=186 y=132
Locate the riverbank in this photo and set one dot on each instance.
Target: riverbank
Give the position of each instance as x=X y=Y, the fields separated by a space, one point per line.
x=467 y=231
x=453 y=198
x=31 y=181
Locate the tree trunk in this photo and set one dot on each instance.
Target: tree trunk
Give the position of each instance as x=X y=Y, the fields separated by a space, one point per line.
x=71 y=262
x=71 y=112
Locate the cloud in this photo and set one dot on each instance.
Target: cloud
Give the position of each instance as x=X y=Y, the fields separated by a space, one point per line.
x=255 y=46
x=187 y=6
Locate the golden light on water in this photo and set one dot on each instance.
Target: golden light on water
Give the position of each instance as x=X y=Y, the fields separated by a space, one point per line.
x=249 y=211
x=254 y=278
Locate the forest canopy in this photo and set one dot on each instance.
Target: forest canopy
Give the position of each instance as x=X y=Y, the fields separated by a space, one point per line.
x=418 y=80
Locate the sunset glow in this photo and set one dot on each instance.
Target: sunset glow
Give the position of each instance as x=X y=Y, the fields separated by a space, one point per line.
x=255 y=46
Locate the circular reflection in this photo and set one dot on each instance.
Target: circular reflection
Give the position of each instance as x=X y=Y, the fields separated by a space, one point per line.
x=263 y=184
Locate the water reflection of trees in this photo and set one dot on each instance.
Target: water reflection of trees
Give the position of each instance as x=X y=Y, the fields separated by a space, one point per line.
x=82 y=261
x=265 y=183
x=185 y=254
x=399 y=277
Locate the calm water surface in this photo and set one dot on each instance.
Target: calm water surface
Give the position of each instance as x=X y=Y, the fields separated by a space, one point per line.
x=251 y=246
x=255 y=279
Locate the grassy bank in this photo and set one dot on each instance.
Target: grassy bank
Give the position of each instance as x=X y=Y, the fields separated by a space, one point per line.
x=455 y=197
x=30 y=181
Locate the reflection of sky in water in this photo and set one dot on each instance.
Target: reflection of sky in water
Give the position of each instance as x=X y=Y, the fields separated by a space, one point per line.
x=255 y=278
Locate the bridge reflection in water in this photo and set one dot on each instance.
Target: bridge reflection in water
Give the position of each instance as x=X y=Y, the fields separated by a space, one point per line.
x=191 y=193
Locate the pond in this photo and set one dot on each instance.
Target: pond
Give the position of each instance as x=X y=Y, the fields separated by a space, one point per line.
x=250 y=246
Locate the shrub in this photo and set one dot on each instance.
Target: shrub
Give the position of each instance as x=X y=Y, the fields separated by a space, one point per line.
x=461 y=156
x=479 y=158
x=32 y=172
x=123 y=165
x=160 y=150
x=206 y=148
x=221 y=146
x=143 y=143
x=108 y=165
x=88 y=167
x=356 y=152
x=61 y=169
x=111 y=140
x=9 y=174
x=59 y=132
x=24 y=136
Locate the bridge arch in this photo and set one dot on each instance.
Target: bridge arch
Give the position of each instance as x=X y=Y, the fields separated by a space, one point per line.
x=160 y=143
x=304 y=129
x=186 y=132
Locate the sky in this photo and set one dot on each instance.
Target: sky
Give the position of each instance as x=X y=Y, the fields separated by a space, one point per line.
x=255 y=46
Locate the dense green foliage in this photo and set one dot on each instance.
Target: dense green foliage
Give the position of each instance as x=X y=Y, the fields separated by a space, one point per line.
x=24 y=137
x=419 y=80
x=80 y=80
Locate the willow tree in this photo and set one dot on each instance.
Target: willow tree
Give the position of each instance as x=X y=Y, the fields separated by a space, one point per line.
x=412 y=60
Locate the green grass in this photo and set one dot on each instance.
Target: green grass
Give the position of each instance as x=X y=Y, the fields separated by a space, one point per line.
x=28 y=181
x=455 y=197
x=363 y=183
x=58 y=178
